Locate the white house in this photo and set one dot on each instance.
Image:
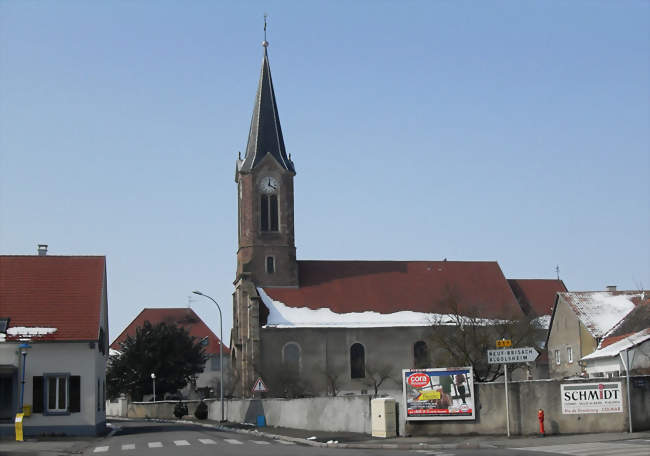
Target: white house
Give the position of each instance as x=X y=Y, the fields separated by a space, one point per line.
x=53 y=330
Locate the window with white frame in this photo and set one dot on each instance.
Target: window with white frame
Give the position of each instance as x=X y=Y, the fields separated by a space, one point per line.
x=557 y=356
x=569 y=354
x=57 y=393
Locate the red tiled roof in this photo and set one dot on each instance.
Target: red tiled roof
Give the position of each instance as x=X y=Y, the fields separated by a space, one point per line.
x=392 y=286
x=537 y=296
x=62 y=292
x=181 y=316
x=611 y=340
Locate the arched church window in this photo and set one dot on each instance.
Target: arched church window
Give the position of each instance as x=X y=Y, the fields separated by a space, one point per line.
x=357 y=361
x=291 y=358
x=269 y=212
x=420 y=355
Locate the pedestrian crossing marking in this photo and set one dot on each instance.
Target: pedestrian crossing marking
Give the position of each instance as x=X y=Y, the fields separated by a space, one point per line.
x=261 y=442
x=207 y=441
x=128 y=446
x=232 y=441
x=181 y=442
x=592 y=449
x=101 y=449
x=155 y=444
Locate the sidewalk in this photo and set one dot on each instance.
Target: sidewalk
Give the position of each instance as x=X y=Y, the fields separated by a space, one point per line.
x=353 y=440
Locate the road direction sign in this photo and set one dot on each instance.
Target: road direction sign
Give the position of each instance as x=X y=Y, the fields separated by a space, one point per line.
x=504 y=343
x=259 y=386
x=512 y=355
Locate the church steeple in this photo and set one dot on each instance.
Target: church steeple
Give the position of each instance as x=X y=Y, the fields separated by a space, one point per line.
x=265 y=135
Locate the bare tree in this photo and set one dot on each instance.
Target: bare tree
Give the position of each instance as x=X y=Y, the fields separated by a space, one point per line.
x=377 y=374
x=462 y=338
x=333 y=378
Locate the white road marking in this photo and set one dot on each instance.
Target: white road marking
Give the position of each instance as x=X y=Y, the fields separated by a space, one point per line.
x=233 y=441
x=592 y=449
x=286 y=442
x=155 y=444
x=207 y=441
x=261 y=442
x=181 y=442
x=128 y=446
x=101 y=449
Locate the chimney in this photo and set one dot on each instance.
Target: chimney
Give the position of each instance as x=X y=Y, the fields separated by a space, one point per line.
x=42 y=249
x=611 y=287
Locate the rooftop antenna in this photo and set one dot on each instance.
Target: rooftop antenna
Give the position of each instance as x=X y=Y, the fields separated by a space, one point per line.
x=557 y=271
x=189 y=302
x=265 y=43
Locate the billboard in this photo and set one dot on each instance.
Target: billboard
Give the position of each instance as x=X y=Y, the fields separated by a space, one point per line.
x=439 y=393
x=605 y=397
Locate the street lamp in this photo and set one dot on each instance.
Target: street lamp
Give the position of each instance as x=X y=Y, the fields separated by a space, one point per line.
x=23 y=351
x=153 y=377
x=220 y=349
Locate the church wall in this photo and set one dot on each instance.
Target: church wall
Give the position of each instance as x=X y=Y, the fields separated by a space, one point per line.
x=326 y=351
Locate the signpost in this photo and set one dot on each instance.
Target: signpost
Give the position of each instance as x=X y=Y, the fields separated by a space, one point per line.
x=502 y=343
x=259 y=386
x=508 y=356
x=512 y=355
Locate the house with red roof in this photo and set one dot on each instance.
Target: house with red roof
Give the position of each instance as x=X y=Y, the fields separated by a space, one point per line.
x=319 y=326
x=187 y=319
x=583 y=320
x=53 y=330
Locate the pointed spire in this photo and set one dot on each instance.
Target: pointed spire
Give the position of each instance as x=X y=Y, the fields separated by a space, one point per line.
x=265 y=135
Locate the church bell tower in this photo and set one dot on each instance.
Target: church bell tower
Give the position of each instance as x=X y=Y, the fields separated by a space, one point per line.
x=266 y=253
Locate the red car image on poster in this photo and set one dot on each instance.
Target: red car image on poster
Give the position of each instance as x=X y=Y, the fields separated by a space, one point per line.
x=439 y=393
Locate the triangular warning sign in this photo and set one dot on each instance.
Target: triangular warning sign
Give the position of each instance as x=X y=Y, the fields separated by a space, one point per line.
x=259 y=386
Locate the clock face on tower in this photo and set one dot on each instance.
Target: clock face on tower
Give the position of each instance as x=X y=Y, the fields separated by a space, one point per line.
x=269 y=185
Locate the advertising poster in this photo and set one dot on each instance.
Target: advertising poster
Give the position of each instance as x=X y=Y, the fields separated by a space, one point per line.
x=439 y=393
x=606 y=397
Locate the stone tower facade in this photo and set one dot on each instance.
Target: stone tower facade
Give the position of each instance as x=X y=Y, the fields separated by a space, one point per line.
x=266 y=254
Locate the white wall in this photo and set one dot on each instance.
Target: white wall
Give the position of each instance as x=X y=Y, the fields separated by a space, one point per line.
x=74 y=358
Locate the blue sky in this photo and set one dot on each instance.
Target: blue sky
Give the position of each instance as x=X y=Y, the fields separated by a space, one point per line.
x=420 y=130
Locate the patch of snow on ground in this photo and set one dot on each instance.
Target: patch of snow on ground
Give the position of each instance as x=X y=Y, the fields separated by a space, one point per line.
x=22 y=331
x=283 y=316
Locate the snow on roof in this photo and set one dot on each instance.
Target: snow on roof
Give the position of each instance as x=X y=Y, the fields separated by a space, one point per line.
x=112 y=352
x=599 y=311
x=623 y=344
x=543 y=322
x=35 y=331
x=283 y=316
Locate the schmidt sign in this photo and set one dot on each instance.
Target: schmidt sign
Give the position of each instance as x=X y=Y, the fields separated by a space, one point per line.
x=592 y=398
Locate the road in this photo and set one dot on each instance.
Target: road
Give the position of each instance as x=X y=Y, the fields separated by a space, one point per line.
x=170 y=439
x=136 y=438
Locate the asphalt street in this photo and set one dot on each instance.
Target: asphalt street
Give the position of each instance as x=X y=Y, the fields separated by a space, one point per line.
x=187 y=439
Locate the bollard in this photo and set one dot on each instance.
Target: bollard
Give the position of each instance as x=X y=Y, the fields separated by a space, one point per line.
x=540 y=417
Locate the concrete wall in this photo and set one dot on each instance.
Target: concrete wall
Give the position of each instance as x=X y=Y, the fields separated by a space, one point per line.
x=352 y=413
x=526 y=398
x=337 y=414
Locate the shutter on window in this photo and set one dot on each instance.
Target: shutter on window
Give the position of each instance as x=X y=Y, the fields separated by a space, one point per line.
x=75 y=393
x=37 y=395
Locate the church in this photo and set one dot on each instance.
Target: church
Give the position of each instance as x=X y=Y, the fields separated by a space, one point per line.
x=311 y=327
